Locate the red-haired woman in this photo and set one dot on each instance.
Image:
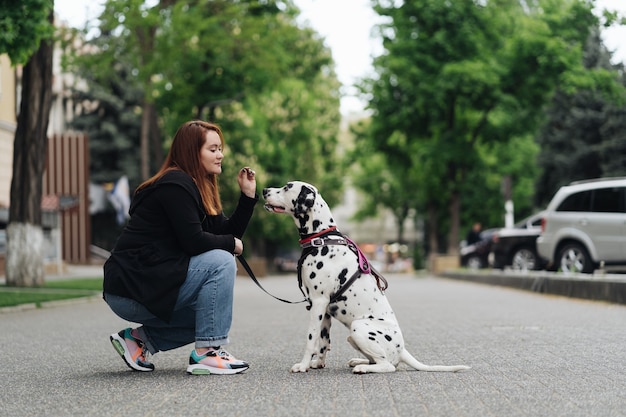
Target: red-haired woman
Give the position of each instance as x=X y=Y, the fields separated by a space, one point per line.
x=172 y=269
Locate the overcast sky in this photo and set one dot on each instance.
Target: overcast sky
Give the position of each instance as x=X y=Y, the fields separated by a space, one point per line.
x=346 y=25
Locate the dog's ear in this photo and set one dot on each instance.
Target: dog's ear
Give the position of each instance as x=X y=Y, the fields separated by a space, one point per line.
x=305 y=200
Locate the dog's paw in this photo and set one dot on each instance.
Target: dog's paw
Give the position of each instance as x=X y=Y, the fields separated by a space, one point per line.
x=318 y=363
x=379 y=367
x=299 y=367
x=357 y=361
x=360 y=369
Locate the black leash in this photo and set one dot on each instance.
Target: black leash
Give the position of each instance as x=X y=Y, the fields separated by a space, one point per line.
x=245 y=265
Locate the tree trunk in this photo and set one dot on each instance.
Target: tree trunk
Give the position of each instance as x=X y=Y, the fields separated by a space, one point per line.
x=156 y=145
x=145 y=142
x=433 y=227
x=400 y=216
x=24 y=266
x=455 y=216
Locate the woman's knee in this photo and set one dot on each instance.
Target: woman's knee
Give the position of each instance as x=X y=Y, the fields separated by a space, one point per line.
x=216 y=260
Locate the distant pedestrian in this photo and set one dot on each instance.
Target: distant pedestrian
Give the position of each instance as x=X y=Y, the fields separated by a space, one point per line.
x=473 y=235
x=172 y=268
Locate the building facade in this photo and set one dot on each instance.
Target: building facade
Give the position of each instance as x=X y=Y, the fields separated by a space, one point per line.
x=8 y=123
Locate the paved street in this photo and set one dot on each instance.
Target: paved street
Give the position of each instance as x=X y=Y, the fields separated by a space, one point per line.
x=531 y=355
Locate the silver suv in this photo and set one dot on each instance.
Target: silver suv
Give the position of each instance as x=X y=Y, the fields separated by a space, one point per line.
x=585 y=225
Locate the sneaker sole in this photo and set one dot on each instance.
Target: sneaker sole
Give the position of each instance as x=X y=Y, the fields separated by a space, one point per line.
x=120 y=348
x=208 y=370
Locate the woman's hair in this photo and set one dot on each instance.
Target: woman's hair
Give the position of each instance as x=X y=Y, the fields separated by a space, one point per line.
x=184 y=155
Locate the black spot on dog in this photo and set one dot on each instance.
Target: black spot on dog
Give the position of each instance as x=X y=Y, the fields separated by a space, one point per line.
x=333 y=310
x=316 y=224
x=342 y=276
x=312 y=275
x=372 y=338
x=303 y=219
x=320 y=317
x=320 y=265
x=388 y=338
x=310 y=336
x=371 y=333
x=324 y=333
x=343 y=312
x=325 y=251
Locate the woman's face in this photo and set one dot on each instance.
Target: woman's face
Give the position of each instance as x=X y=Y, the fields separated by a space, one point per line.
x=211 y=153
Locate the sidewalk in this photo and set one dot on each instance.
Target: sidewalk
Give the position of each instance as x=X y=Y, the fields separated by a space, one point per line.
x=531 y=355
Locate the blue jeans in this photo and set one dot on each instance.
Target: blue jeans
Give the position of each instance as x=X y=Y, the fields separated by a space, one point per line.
x=203 y=311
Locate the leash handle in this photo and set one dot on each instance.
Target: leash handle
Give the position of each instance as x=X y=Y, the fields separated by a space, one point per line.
x=245 y=265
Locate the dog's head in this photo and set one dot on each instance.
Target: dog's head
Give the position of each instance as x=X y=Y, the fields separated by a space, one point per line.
x=295 y=198
x=302 y=201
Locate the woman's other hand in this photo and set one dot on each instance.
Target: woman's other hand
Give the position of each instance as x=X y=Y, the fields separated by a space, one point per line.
x=238 y=246
x=247 y=181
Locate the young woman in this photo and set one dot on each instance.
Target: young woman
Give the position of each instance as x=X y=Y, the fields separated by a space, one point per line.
x=172 y=269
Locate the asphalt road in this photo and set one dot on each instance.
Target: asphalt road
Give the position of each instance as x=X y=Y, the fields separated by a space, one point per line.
x=531 y=355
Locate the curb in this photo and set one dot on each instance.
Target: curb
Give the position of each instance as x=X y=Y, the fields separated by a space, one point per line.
x=597 y=287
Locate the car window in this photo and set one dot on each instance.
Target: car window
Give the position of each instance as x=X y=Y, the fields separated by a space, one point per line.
x=580 y=201
x=608 y=200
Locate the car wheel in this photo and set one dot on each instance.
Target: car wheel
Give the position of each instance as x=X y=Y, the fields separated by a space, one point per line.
x=524 y=259
x=474 y=262
x=573 y=257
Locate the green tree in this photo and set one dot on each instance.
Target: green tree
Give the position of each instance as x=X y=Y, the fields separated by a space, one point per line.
x=26 y=30
x=583 y=136
x=457 y=77
x=384 y=184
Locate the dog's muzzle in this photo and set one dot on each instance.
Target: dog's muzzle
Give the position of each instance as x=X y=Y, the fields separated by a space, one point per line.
x=274 y=209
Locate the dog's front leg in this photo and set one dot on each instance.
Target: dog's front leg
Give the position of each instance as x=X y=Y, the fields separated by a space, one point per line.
x=319 y=360
x=314 y=337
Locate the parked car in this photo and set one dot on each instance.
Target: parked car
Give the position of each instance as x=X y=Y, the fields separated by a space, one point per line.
x=584 y=225
x=516 y=246
x=477 y=255
x=287 y=260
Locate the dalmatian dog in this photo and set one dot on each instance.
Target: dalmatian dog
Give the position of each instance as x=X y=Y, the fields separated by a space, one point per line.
x=331 y=277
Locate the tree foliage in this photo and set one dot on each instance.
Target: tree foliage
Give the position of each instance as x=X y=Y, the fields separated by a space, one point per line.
x=461 y=79
x=23 y=24
x=583 y=136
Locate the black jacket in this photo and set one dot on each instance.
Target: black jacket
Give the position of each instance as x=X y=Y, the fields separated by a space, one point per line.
x=167 y=226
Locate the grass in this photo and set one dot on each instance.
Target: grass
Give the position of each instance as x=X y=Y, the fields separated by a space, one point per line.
x=50 y=291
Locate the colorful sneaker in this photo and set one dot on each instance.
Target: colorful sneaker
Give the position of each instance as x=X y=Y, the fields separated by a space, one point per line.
x=132 y=350
x=215 y=361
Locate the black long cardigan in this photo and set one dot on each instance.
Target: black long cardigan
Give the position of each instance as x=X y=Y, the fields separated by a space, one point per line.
x=167 y=226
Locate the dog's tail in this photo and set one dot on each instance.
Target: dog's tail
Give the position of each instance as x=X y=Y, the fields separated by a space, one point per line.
x=407 y=358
